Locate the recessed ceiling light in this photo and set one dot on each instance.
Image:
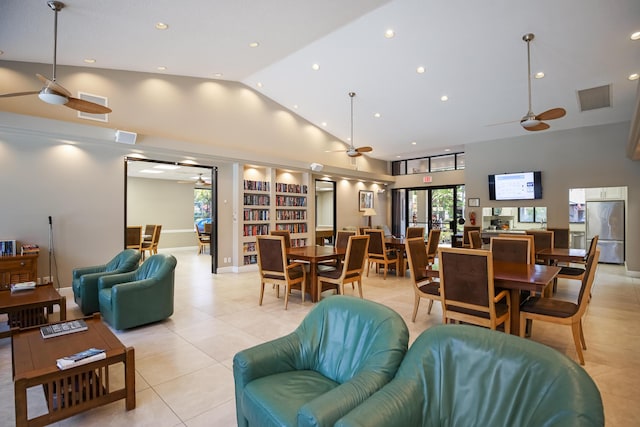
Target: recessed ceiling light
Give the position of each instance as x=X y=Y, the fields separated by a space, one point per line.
x=315 y=67
x=389 y=33
x=397 y=157
x=413 y=143
x=539 y=75
x=446 y=150
x=162 y=68
x=150 y=171
x=254 y=44
x=89 y=61
x=420 y=70
x=161 y=26
x=634 y=76
x=444 y=98
x=167 y=167
x=295 y=106
x=635 y=36
x=259 y=84
x=217 y=75
x=324 y=124
x=377 y=115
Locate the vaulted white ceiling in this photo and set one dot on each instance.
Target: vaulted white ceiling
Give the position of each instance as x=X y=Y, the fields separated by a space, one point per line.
x=471 y=51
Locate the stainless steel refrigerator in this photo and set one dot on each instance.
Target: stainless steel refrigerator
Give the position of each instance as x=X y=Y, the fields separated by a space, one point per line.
x=606 y=220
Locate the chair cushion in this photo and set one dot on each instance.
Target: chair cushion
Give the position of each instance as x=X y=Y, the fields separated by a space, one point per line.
x=296 y=272
x=549 y=307
x=330 y=274
x=571 y=271
x=429 y=287
x=501 y=310
x=274 y=400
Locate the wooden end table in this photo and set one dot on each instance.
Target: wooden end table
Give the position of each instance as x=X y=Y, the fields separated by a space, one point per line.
x=70 y=391
x=31 y=307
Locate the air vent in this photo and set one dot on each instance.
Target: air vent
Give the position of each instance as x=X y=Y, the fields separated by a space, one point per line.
x=594 y=98
x=96 y=99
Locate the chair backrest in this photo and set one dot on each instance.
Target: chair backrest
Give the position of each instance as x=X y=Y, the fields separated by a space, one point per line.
x=342 y=238
x=466 y=280
x=417 y=256
x=511 y=249
x=592 y=247
x=530 y=237
x=149 y=232
x=125 y=261
x=207 y=227
x=156 y=236
x=134 y=237
x=449 y=361
x=433 y=242
x=465 y=234
x=355 y=255
x=560 y=237
x=376 y=242
x=157 y=266
x=272 y=256
x=373 y=338
x=285 y=234
x=587 y=281
x=475 y=240
x=414 y=232
x=543 y=239
x=361 y=230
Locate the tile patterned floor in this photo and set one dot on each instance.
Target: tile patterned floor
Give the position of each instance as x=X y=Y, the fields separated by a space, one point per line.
x=189 y=381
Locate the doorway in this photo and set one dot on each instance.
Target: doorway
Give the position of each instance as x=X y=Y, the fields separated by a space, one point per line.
x=177 y=196
x=325 y=211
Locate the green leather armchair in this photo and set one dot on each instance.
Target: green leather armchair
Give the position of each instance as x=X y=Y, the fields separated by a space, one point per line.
x=458 y=375
x=85 y=279
x=139 y=297
x=343 y=351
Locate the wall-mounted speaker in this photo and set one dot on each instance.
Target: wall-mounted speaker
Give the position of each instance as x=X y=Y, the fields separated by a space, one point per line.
x=316 y=167
x=125 y=137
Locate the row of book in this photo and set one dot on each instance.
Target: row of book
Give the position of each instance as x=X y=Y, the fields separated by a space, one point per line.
x=291 y=188
x=291 y=201
x=285 y=215
x=256 y=185
x=256 y=214
x=256 y=230
x=249 y=247
x=256 y=200
x=299 y=227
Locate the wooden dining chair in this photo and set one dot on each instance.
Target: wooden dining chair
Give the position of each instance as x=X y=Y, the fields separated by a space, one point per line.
x=466 y=242
x=273 y=267
x=204 y=241
x=378 y=253
x=578 y=273
x=563 y=312
x=511 y=249
x=467 y=290
x=148 y=239
x=134 y=237
x=475 y=240
x=529 y=237
x=543 y=239
x=432 y=245
x=560 y=237
x=414 y=232
x=284 y=233
x=350 y=271
x=424 y=286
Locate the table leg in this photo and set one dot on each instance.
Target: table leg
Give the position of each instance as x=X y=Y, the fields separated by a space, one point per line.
x=20 y=397
x=313 y=282
x=130 y=378
x=514 y=313
x=63 y=308
x=401 y=264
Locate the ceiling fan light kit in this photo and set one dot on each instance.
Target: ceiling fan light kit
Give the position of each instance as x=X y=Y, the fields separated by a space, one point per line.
x=52 y=97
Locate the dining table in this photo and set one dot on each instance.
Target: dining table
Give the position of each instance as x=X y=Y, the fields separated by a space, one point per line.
x=552 y=255
x=314 y=255
x=516 y=277
x=397 y=243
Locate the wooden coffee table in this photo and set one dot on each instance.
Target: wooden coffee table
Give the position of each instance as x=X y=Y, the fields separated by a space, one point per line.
x=31 y=307
x=71 y=391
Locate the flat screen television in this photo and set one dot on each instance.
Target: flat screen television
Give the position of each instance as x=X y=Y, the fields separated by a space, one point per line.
x=515 y=186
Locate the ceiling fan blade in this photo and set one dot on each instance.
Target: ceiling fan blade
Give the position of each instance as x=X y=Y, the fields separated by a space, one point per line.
x=364 y=149
x=502 y=123
x=540 y=126
x=9 y=95
x=554 y=113
x=86 y=106
x=335 y=151
x=51 y=84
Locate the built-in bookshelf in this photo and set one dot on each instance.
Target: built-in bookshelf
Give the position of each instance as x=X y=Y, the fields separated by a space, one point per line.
x=272 y=199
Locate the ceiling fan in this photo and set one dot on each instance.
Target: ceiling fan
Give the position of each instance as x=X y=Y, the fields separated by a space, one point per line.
x=352 y=151
x=197 y=183
x=52 y=92
x=531 y=121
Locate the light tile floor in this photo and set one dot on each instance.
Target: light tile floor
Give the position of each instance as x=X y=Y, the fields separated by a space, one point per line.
x=188 y=381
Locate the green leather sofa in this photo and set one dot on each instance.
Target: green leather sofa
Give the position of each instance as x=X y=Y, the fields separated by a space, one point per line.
x=457 y=375
x=85 y=279
x=141 y=296
x=343 y=351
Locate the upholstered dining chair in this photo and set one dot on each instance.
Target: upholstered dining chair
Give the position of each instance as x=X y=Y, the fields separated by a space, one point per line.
x=511 y=250
x=342 y=239
x=344 y=350
x=134 y=237
x=466 y=243
x=378 y=253
x=350 y=271
x=204 y=241
x=578 y=273
x=414 y=232
x=273 y=267
x=467 y=290
x=475 y=241
x=529 y=237
x=543 y=239
x=424 y=286
x=563 y=312
x=432 y=244
x=560 y=237
x=284 y=233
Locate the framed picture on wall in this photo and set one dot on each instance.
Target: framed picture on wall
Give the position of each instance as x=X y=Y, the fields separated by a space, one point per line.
x=365 y=200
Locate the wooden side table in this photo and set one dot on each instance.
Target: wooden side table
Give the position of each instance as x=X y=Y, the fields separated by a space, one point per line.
x=31 y=307
x=17 y=269
x=71 y=391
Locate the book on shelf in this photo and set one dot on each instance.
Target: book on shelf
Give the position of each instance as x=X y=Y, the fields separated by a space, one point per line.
x=81 y=358
x=63 y=328
x=23 y=286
